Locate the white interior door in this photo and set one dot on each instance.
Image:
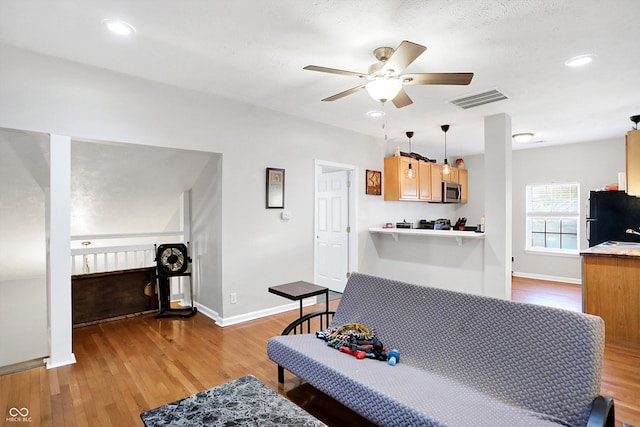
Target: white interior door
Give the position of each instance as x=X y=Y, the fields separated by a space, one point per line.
x=332 y=229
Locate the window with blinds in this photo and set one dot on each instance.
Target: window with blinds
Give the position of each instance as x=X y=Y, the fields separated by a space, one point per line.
x=553 y=212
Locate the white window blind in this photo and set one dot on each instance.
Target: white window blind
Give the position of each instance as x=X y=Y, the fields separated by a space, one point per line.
x=553 y=212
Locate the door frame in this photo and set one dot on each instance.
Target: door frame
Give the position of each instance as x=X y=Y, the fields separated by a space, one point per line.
x=352 y=261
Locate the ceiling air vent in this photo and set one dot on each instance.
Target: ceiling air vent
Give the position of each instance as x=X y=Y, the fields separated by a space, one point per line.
x=479 y=99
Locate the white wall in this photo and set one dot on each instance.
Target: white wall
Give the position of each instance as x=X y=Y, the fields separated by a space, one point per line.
x=23 y=316
x=24 y=174
x=206 y=232
x=592 y=164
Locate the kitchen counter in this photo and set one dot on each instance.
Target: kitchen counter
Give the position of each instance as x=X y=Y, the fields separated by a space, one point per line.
x=457 y=234
x=610 y=278
x=617 y=249
x=450 y=259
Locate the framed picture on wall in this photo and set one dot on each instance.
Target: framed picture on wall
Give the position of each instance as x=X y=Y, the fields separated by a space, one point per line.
x=374 y=182
x=275 y=188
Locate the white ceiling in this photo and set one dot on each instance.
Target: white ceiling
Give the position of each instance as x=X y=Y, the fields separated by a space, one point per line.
x=254 y=51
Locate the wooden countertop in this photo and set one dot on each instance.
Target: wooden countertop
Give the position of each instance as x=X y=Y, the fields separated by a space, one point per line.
x=609 y=250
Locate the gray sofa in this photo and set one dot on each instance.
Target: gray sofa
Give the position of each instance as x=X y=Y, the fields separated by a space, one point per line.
x=465 y=360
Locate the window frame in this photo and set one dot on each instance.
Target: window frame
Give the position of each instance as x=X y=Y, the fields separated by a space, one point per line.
x=551 y=215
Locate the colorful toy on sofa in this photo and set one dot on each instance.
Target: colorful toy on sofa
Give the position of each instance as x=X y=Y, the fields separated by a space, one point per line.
x=354 y=339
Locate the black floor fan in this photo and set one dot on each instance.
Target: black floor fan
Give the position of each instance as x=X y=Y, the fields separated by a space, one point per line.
x=172 y=260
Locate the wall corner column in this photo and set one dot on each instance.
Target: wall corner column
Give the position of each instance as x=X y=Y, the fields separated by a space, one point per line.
x=58 y=231
x=498 y=206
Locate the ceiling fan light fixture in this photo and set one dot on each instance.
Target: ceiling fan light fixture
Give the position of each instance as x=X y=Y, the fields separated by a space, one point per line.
x=522 y=137
x=384 y=89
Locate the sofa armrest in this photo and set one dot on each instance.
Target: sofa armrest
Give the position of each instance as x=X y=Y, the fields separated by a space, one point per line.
x=299 y=323
x=602 y=413
x=306 y=319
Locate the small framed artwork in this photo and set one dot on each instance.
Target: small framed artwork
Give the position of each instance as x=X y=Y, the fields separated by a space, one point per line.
x=275 y=188
x=374 y=184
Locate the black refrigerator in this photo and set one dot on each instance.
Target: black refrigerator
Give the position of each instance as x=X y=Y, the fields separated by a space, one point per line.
x=610 y=214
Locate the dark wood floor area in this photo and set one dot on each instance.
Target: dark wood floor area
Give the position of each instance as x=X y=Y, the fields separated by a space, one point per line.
x=129 y=366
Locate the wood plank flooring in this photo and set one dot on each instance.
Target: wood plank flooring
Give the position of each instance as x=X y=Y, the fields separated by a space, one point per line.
x=128 y=366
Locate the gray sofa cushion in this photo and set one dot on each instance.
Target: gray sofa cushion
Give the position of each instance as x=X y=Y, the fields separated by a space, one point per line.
x=394 y=395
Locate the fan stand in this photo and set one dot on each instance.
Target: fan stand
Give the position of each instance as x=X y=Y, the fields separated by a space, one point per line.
x=164 y=298
x=176 y=257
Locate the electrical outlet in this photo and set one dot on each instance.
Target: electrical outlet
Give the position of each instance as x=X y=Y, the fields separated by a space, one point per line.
x=233 y=297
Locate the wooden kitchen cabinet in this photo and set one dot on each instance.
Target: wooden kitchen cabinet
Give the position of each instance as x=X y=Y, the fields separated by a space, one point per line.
x=424 y=182
x=426 y=186
x=452 y=176
x=611 y=290
x=632 y=151
x=463 y=180
x=436 y=182
x=397 y=185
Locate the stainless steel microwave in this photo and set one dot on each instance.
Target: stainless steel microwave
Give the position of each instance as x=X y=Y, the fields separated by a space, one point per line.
x=451 y=193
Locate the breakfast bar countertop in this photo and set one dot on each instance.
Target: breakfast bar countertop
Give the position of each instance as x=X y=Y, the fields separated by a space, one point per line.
x=458 y=235
x=614 y=249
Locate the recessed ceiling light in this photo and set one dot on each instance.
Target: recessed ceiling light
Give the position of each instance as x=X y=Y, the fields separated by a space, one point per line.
x=578 y=61
x=375 y=114
x=119 y=27
x=523 y=137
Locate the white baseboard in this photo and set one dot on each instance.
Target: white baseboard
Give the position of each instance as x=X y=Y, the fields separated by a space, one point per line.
x=571 y=280
x=211 y=314
x=69 y=359
x=232 y=320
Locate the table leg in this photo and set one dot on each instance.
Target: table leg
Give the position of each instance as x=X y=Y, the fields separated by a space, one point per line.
x=301 y=330
x=326 y=302
x=326 y=307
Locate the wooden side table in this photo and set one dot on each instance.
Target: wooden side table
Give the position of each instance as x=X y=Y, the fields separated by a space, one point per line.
x=297 y=291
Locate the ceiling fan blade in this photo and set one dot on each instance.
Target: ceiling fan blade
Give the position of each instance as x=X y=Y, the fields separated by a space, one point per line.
x=334 y=71
x=403 y=56
x=436 y=78
x=402 y=99
x=345 y=93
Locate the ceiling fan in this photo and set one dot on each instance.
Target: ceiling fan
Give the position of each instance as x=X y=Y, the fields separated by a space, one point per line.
x=385 y=78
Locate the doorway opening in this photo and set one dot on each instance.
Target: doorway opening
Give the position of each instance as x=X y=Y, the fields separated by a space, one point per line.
x=335 y=237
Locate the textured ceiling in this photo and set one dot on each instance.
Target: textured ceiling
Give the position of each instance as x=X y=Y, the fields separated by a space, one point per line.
x=254 y=51
x=125 y=188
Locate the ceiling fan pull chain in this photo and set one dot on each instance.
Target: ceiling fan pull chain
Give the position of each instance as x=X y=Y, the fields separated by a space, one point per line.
x=384 y=123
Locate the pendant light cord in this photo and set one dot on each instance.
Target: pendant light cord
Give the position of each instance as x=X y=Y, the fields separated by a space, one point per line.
x=446 y=168
x=445 y=128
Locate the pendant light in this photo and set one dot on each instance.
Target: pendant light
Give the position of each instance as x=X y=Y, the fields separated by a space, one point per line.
x=411 y=173
x=446 y=168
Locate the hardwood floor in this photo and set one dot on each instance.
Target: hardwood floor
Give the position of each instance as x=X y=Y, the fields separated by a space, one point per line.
x=128 y=366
